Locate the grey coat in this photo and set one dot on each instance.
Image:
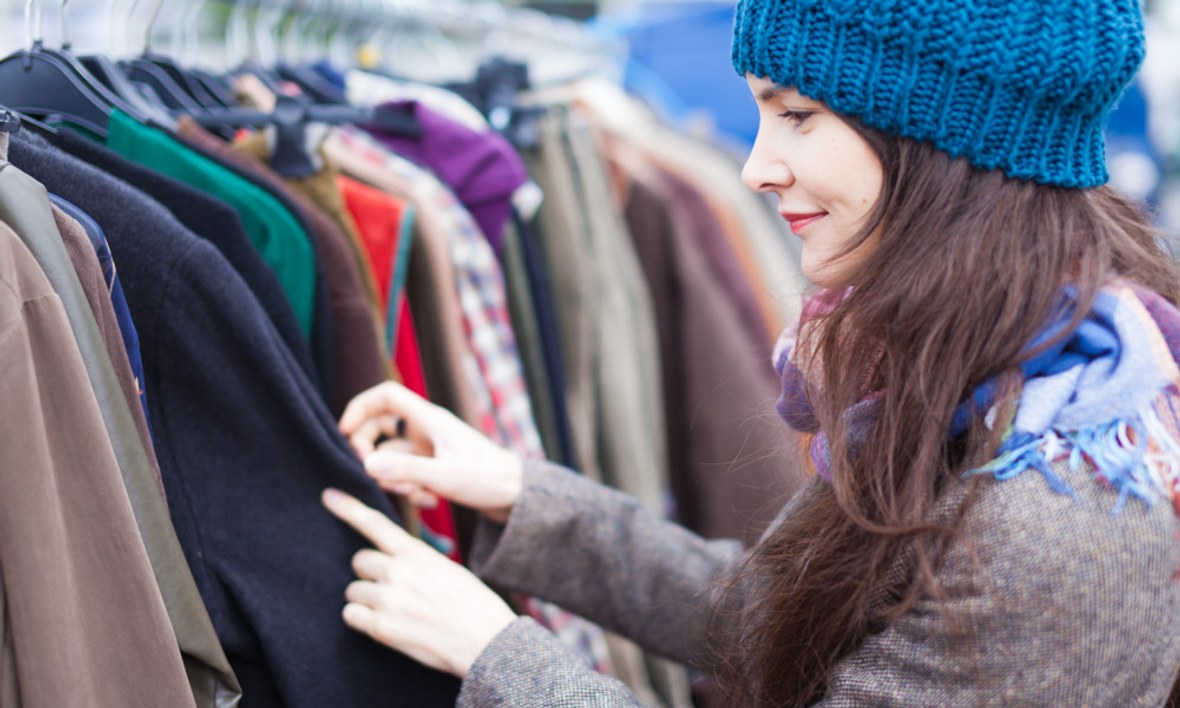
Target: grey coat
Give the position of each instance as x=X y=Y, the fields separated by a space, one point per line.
x=1064 y=601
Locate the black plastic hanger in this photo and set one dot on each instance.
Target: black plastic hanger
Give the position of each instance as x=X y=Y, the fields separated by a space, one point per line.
x=144 y=103
x=394 y=120
x=215 y=86
x=290 y=156
x=190 y=83
x=171 y=93
x=498 y=82
x=39 y=82
x=316 y=87
x=12 y=122
x=268 y=79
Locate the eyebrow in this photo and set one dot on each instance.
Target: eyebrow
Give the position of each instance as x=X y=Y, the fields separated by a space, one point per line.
x=771 y=92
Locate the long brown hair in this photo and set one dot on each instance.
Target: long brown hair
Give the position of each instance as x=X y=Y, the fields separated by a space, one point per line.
x=968 y=267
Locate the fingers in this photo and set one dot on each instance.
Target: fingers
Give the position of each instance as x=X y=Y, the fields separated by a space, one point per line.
x=363 y=592
x=399 y=471
x=413 y=493
x=422 y=604
x=421 y=498
x=377 y=624
x=372 y=524
x=386 y=399
x=364 y=619
x=372 y=565
x=365 y=435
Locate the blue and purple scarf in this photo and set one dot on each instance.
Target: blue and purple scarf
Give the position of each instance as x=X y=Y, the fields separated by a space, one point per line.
x=1107 y=392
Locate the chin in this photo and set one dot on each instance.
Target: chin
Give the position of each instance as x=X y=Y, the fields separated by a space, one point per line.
x=827 y=278
x=826 y=274
x=819 y=275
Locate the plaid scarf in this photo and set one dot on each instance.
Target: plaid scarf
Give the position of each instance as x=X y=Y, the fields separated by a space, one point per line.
x=1105 y=392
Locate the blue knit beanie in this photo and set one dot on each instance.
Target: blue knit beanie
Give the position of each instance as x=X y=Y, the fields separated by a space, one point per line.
x=1021 y=86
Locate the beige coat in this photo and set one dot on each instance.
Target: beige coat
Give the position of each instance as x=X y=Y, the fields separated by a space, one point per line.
x=83 y=621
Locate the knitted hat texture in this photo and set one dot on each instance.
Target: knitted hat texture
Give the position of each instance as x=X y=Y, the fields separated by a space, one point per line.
x=1022 y=86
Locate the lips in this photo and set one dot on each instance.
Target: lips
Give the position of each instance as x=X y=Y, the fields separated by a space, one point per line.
x=802 y=220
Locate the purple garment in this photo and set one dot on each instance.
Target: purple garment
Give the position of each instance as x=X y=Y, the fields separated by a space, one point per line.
x=481 y=168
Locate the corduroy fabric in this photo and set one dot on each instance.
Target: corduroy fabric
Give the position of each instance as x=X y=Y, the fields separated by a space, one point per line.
x=1022 y=86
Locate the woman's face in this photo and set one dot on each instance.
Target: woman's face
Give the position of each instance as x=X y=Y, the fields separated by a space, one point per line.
x=826 y=177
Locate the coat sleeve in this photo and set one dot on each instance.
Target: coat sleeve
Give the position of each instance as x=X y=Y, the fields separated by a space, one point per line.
x=1057 y=599
x=600 y=554
x=526 y=666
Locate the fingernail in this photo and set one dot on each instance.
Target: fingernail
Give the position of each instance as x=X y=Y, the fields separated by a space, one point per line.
x=373 y=464
x=332 y=496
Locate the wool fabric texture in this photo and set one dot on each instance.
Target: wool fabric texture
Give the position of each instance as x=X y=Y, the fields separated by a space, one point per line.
x=1021 y=86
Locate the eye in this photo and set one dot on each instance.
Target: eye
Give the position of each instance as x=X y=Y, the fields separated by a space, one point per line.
x=796 y=117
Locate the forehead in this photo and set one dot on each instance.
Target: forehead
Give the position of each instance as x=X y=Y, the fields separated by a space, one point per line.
x=765 y=90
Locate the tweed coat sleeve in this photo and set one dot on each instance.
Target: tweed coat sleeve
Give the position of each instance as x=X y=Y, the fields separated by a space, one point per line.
x=600 y=554
x=1058 y=599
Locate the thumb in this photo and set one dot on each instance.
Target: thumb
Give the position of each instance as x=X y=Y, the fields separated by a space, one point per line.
x=394 y=467
x=386 y=399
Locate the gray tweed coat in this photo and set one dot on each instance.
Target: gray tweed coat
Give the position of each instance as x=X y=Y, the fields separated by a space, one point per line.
x=1065 y=602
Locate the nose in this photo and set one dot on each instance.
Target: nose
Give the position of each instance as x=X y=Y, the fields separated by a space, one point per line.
x=766 y=169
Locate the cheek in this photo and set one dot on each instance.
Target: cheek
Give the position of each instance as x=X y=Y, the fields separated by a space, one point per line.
x=869 y=191
x=867 y=179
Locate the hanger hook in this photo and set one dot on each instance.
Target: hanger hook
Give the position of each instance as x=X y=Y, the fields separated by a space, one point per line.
x=126 y=48
x=266 y=22
x=176 y=29
x=192 y=32
x=33 y=24
x=65 y=26
x=236 y=46
x=190 y=18
x=112 y=26
x=147 y=32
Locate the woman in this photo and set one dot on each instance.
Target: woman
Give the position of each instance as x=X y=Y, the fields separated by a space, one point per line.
x=988 y=369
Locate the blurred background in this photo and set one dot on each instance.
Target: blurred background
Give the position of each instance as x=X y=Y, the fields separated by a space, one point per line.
x=529 y=211
x=672 y=54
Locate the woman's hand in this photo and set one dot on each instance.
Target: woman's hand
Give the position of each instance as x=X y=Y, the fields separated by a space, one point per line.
x=430 y=452
x=412 y=598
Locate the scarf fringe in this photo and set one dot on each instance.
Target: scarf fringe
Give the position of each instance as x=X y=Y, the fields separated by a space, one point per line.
x=1139 y=458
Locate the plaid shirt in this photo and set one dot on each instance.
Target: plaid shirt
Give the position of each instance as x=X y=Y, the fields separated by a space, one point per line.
x=492 y=364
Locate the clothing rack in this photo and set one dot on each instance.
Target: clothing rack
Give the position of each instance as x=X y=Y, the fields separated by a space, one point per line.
x=268 y=292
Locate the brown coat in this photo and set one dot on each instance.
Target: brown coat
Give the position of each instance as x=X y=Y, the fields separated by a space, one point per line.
x=83 y=622
x=24 y=205
x=728 y=455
